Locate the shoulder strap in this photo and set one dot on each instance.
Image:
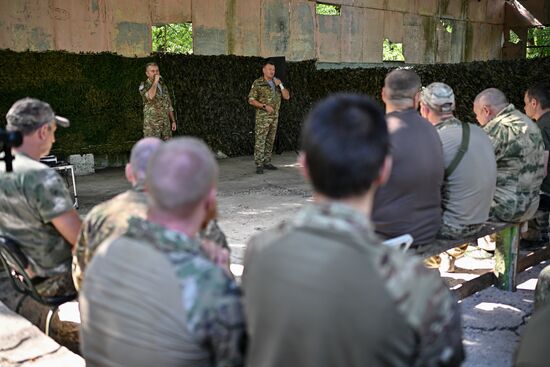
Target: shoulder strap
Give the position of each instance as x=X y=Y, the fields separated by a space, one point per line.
x=461 y=151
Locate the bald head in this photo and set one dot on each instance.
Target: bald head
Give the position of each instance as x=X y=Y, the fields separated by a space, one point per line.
x=140 y=155
x=181 y=174
x=488 y=104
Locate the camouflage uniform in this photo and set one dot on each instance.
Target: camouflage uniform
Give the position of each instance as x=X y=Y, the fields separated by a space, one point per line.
x=202 y=324
x=328 y=258
x=266 y=124
x=111 y=219
x=156 y=121
x=518 y=147
x=105 y=220
x=30 y=197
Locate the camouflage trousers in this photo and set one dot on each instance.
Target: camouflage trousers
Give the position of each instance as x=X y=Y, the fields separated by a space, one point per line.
x=537 y=227
x=161 y=130
x=58 y=285
x=266 y=128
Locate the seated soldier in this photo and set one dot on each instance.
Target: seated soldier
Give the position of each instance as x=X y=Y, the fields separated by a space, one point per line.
x=111 y=217
x=410 y=202
x=322 y=290
x=470 y=168
x=519 y=151
x=152 y=296
x=36 y=208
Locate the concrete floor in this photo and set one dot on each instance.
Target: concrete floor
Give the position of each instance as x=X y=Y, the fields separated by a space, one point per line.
x=248 y=203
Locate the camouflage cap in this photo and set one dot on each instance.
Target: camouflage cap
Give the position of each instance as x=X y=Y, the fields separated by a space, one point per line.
x=28 y=114
x=439 y=97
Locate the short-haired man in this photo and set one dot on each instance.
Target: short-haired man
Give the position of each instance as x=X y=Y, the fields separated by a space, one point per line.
x=111 y=217
x=519 y=151
x=470 y=167
x=153 y=296
x=265 y=95
x=158 y=114
x=410 y=202
x=322 y=289
x=36 y=208
x=537 y=108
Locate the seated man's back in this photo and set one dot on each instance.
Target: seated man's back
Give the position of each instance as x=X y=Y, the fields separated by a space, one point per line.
x=410 y=201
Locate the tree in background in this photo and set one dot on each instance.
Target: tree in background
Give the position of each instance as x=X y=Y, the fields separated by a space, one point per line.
x=538 y=42
x=174 y=38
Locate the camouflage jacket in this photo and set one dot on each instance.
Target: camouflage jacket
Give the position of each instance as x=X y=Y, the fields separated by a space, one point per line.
x=30 y=197
x=262 y=92
x=156 y=109
x=519 y=151
x=103 y=221
x=418 y=295
x=210 y=298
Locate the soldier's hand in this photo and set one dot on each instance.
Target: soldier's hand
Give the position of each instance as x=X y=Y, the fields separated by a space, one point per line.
x=277 y=81
x=269 y=109
x=174 y=126
x=157 y=78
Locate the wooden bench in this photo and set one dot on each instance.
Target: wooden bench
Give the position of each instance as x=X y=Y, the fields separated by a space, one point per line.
x=507 y=260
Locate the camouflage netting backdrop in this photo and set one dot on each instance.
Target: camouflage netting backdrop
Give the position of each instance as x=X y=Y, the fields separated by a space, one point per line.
x=99 y=93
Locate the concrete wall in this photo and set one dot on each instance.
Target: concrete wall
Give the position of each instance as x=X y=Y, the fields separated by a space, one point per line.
x=430 y=30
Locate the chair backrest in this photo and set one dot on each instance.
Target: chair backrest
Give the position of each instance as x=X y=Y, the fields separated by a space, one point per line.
x=15 y=263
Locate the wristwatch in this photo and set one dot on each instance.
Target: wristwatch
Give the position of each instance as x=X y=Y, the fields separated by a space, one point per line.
x=263 y=107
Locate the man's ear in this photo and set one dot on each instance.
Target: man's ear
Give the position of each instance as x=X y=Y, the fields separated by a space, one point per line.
x=302 y=165
x=383 y=94
x=384 y=172
x=42 y=131
x=129 y=173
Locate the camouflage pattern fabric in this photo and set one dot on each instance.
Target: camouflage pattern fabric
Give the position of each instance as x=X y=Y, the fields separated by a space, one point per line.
x=210 y=297
x=103 y=221
x=156 y=121
x=110 y=219
x=452 y=232
x=419 y=295
x=266 y=124
x=30 y=197
x=518 y=146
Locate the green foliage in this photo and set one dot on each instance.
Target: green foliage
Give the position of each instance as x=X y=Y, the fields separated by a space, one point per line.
x=514 y=38
x=327 y=9
x=99 y=94
x=392 y=51
x=538 y=42
x=174 y=38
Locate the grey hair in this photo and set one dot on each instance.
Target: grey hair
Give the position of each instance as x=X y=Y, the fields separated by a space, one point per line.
x=180 y=174
x=492 y=97
x=402 y=85
x=140 y=155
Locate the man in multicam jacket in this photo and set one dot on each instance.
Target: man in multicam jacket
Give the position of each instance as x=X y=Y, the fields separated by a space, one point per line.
x=111 y=217
x=155 y=296
x=519 y=151
x=322 y=290
x=265 y=95
x=158 y=114
x=36 y=208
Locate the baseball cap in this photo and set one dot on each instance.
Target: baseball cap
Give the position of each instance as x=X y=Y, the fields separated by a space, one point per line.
x=28 y=114
x=439 y=97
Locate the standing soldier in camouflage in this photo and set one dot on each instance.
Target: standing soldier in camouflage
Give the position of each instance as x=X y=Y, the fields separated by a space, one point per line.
x=155 y=296
x=265 y=95
x=36 y=208
x=519 y=151
x=322 y=290
x=111 y=217
x=158 y=114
